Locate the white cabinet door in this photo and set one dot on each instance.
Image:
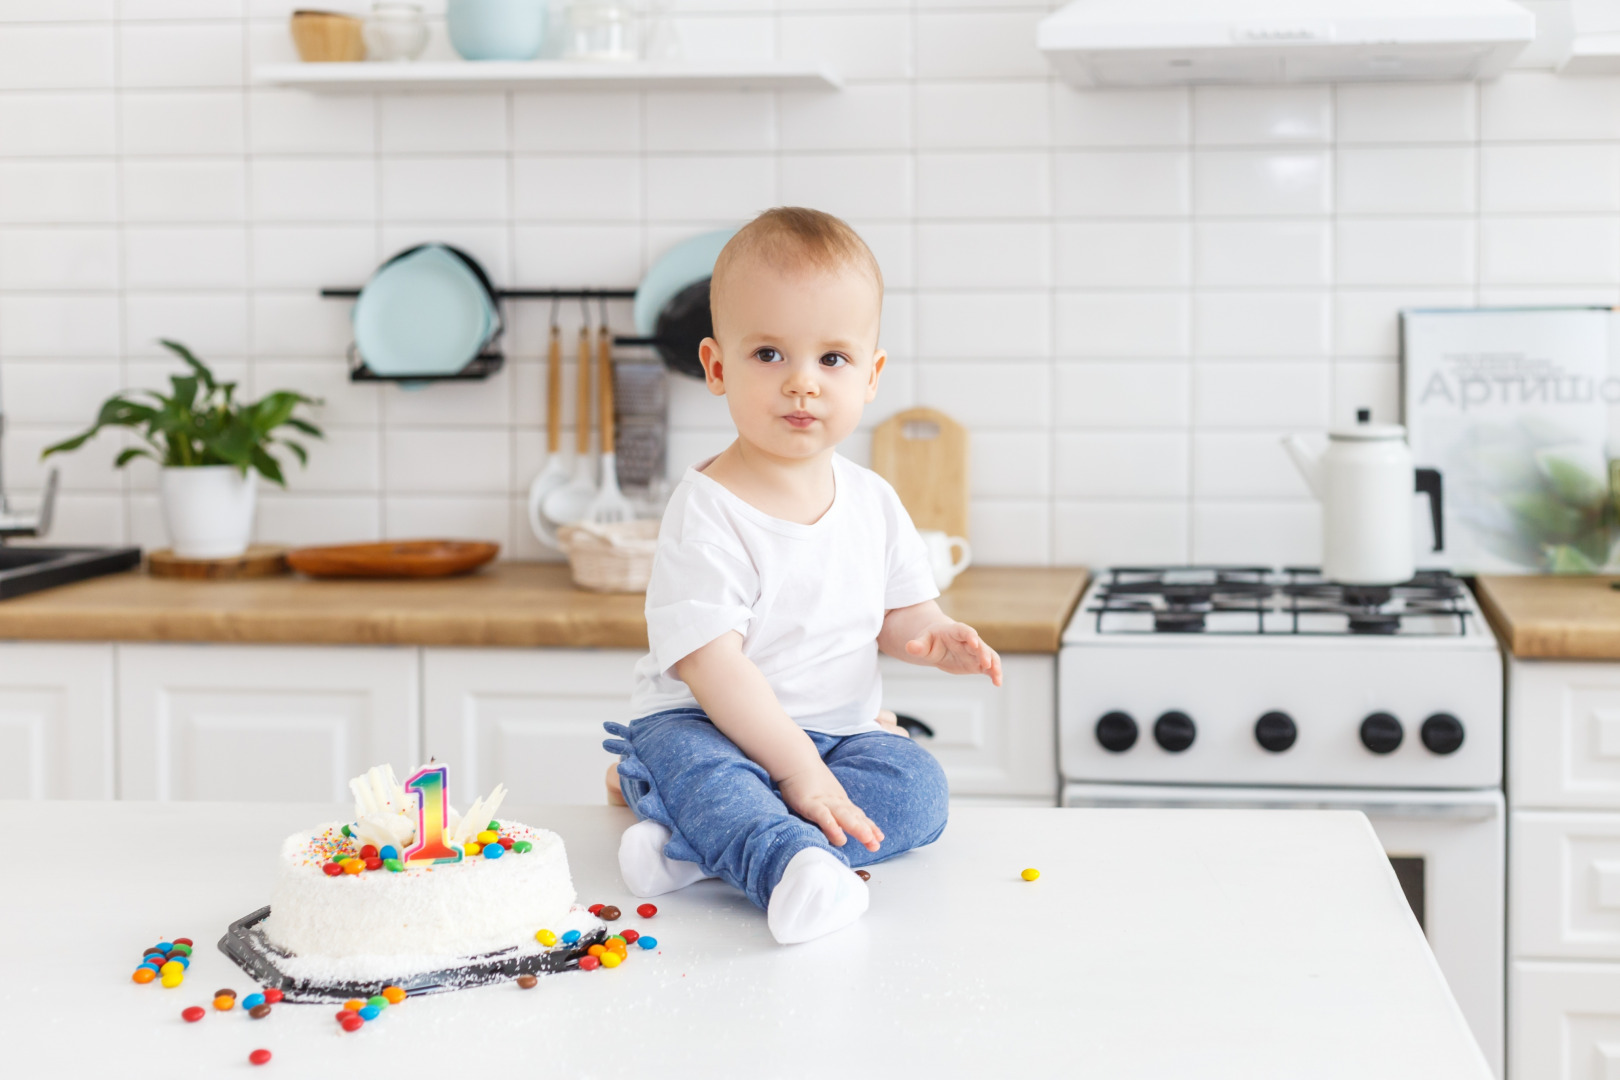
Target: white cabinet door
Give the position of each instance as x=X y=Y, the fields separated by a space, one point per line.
x=263 y=722
x=527 y=718
x=1564 y=1021
x=1564 y=735
x=1565 y=885
x=989 y=741
x=56 y=721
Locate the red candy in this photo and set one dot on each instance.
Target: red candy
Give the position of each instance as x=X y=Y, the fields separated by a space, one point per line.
x=629 y=936
x=369 y=851
x=182 y=941
x=259 y=1057
x=332 y=869
x=506 y=842
x=589 y=963
x=373 y=863
x=647 y=911
x=193 y=1014
x=353 y=1022
x=596 y=909
x=272 y=996
x=341 y=1014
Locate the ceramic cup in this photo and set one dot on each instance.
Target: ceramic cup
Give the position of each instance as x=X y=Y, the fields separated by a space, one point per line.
x=496 y=29
x=942 y=556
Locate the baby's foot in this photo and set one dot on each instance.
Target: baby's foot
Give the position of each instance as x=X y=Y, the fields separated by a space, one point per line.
x=646 y=870
x=817 y=895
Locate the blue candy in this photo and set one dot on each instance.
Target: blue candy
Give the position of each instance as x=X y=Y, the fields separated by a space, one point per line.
x=389 y=851
x=570 y=937
x=252 y=1000
x=165 y=946
x=647 y=942
x=154 y=965
x=370 y=1012
x=493 y=851
x=183 y=961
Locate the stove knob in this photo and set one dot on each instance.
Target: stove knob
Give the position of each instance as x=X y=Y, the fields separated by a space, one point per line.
x=1174 y=731
x=1442 y=733
x=1276 y=731
x=1117 y=732
x=1381 y=733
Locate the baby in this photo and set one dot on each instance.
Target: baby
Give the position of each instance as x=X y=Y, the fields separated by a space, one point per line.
x=782 y=570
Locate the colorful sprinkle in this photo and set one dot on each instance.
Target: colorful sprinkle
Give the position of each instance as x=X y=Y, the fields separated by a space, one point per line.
x=545 y=937
x=589 y=963
x=260 y=1057
x=370 y=1012
x=522 y=847
x=647 y=911
x=569 y=937
x=647 y=942
x=493 y=851
x=252 y=1000
x=192 y=1014
x=393 y=994
x=1031 y=874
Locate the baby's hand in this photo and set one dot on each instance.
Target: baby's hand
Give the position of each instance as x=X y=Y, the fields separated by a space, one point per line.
x=818 y=797
x=955 y=647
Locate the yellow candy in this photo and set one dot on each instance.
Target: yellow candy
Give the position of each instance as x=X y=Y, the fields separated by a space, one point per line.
x=488 y=836
x=472 y=849
x=612 y=959
x=353 y=866
x=173 y=967
x=597 y=951
x=225 y=1002
x=394 y=994
x=172 y=981
x=546 y=937
x=1031 y=874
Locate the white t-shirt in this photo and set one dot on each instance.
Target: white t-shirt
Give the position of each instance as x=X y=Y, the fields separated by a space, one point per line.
x=809 y=600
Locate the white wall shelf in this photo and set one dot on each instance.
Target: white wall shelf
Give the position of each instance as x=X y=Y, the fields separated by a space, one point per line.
x=548 y=75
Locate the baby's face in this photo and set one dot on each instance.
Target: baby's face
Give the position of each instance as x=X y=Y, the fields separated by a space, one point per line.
x=795 y=354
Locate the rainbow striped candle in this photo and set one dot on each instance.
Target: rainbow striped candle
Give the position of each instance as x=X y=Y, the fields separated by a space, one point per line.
x=431 y=786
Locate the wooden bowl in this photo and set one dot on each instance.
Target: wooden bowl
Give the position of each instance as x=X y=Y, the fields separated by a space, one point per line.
x=327 y=37
x=394 y=559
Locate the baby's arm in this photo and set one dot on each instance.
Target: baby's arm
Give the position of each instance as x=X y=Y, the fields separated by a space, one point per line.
x=923 y=634
x=740 y=702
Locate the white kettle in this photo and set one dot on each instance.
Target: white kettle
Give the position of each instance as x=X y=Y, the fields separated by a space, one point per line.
x=1365 y=480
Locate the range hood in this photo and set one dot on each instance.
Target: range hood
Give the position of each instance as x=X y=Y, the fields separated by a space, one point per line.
x=1170 y=42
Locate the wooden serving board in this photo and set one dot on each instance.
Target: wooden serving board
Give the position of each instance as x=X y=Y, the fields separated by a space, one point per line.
x=258 y=561
x=924 y=454
x=394 y=559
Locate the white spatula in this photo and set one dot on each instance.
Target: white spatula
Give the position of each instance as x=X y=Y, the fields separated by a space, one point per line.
x=567 y=505
x=610 y=506
x=554 y=474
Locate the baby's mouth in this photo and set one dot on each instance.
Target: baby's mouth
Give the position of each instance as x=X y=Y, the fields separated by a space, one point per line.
x=799 y=419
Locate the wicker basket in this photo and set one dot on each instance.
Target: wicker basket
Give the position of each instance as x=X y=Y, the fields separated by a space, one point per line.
x=611 y=558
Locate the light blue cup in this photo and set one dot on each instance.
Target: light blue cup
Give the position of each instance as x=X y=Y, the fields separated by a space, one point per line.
x=497 y=29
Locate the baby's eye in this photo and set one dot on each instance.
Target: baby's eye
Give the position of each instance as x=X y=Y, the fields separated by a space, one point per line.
x=834 y=360
x=767 y=355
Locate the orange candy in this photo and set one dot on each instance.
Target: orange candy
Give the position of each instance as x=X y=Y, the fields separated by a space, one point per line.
x=597 y=951
x=144 y=975
x=394 y=994
x=225 y=1002
x=354 y=1004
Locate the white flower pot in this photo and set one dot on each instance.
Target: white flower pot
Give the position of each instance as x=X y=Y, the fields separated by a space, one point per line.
x=208 y=510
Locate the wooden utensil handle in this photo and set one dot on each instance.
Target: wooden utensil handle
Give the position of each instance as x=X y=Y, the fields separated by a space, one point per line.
x=582 y=421
x=604 y=385
x=554 y=392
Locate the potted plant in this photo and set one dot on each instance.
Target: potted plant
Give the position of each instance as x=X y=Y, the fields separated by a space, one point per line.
x=212 y=450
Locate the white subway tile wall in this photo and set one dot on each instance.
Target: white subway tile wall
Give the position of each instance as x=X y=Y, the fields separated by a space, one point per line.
x=1128 y=296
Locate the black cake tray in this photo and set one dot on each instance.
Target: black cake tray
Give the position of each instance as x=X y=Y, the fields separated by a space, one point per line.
x=245 y=943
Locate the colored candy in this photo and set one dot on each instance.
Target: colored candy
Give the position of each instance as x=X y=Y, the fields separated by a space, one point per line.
x=369 y=852
x=589 y=963
x=187 y=942
x=393 y=994
x=608 y=914
x=259 y=1012
x=597 y=950
x=169 y=982
x=374 y=863
x=378 y=1002
x=354 y=1004
x=183 y=961
x=182 y=949
x=346 y=831
x=493 y=851
x=259 y=1057
x=1031 y=874
x=522 y=847
x=488 y=836
x=505 y=842
x=615 y=938
x=471 y=848
x=164 y=946
x=629 y=936
x=352 y=1022
x=570 y=937
x=619 y=947
x=595 y=908
x=353 y=866
x=394 y=865
x=863 y=875
x=251 y=1000
x=370 y=1012
x=192 y=1014
x=171 y=968
x=545 y=937
x=332 y=869
x=224 y=1003
x=388 y=851
x=144 y=974
x=647 y=942
x=272 y=996
x=612 y=959
x=647 y=911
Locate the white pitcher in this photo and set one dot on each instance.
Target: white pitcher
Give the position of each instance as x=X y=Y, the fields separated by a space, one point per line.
x=1365 y=479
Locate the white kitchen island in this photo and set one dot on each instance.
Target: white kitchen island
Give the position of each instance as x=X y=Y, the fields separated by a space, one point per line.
x=1163 y=944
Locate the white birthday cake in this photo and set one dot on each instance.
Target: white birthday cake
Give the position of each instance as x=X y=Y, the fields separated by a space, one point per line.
x=371 y=895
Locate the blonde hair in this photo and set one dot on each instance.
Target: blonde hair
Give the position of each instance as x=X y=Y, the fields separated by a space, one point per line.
x=795 y=236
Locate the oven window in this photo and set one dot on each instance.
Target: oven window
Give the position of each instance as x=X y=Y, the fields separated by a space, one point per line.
x=1409 y=872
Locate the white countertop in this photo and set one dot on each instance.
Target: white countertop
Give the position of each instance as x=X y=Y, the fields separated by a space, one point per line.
x=1157 y=943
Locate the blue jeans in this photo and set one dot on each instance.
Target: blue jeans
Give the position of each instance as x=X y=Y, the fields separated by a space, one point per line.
x=724 y=813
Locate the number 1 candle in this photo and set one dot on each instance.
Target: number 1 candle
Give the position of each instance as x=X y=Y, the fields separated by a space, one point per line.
x=431 y=786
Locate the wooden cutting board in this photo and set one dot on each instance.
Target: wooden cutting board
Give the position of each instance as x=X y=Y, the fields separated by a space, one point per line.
x=394 y=559
x=260 y=560
x=924 y=454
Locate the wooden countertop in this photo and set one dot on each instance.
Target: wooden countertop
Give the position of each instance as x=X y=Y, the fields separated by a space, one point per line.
x=1554 y=618
x=1015 y=609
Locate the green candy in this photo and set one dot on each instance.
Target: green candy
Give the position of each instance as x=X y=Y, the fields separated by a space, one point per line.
x=494 y=826
x=378 y=1000
x=522 y=846
x=182 y=950
x=396 y=865
x=346 y=831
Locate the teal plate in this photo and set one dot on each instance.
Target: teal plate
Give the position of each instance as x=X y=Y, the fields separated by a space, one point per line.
x=686 y=263
x=424 y=313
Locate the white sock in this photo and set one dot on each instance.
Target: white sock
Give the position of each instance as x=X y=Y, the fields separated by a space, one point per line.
x=646 y=870
x=817 y=895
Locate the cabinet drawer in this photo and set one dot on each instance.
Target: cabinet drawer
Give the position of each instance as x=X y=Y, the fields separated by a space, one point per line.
x=1564 y=735
x=527 y=718
x=1564 y=875
x=56 y=721
x=1564 y=1021
x=989 y=741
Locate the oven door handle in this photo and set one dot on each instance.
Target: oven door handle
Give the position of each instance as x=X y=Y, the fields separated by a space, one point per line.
x=1423 y=811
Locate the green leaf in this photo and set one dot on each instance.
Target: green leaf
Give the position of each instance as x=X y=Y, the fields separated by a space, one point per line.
x=267 y=465
x=131 y=454
x=306 y=427
x=298 y=451
x=196 y=365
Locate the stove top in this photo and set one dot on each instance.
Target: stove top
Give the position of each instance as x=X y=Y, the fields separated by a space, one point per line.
x=1261 y=601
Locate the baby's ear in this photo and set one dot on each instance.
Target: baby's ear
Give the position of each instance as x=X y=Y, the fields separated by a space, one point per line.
x=879 y=359
x=713 y=367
